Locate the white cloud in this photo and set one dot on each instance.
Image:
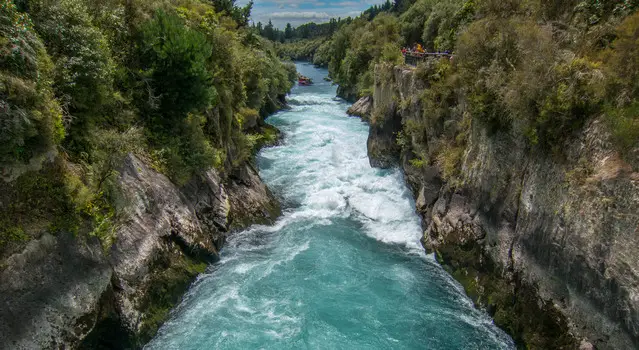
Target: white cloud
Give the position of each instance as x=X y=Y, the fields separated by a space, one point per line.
x=298 y=12
x=300 y=15
x=347 y=4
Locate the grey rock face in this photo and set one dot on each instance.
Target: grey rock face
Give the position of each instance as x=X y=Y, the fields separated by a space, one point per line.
x=64 y=292
x=50 y=292
x=159 y=215
x=392 y=86
x=567 y=227
x=249 y=199
x=362 y=108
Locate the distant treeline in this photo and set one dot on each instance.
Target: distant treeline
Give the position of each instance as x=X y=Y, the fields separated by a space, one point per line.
x=314 y=30
x=304 y=41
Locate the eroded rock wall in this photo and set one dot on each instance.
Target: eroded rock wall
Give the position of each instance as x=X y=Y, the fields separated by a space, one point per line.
x=66 y=292
x=547 y=245
x=51 y=292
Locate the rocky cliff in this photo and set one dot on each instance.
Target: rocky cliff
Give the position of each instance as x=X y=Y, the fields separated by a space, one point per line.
x=548 y=245
x=67 y=292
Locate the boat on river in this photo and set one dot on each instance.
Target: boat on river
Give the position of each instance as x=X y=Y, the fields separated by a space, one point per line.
x=304 y=80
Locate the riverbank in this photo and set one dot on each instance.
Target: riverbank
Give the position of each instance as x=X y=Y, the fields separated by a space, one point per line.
x=341 y=268
x=63 y=291
x=545 y=245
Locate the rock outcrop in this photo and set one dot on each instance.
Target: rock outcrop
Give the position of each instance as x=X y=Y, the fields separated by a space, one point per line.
x=385 y=138
x=362 y=108
x=349 y=94
x=51 y=292
x=66 y=292
x=546 y=245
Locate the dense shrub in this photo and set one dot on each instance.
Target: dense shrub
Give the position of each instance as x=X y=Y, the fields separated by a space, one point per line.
x=176 y=81
x=30 y=119
x=519 y=77
x=622 y=67
x=83 y=68
x=435 y=23
x=322 y=55
x=300 y=49
x=174 y=63
x=358 y=46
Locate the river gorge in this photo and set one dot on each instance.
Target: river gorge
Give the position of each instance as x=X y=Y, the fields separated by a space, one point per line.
x=343 y=266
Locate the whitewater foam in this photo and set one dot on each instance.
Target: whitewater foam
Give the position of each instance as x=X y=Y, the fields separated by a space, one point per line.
x=342 y=267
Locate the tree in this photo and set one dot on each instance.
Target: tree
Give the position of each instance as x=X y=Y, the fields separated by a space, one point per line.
x=269 y=31
x=174 y=60
x=30 y=121
x=288 y=31
x=240 y=15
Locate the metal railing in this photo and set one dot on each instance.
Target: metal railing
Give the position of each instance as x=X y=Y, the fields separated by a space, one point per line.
x=413 y=58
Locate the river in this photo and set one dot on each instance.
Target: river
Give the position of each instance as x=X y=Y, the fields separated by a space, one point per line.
x=341 y=269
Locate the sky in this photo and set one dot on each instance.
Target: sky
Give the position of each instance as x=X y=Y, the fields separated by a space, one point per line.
x=299 y=12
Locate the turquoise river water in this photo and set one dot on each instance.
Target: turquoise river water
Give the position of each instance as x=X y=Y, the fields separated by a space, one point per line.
x=341 y=269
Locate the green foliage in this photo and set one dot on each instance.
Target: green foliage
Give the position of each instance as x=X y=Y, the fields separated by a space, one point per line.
x=30 y=118
x=35 y=202
x=110 y=148
x=12 y=235
x=624 y=125
x=83 y=73
x=323 y=54
x=570 y=99
x=174 y=274
x=412 y=21
x=595 y=11
x=506 y=64
x=449 y=161
x=621 y=64
x=248 y=77
x=178 y=81
x=305 y=32
x=357 y=47
x=174 y=64
x=239 y=14
x=302 y=49
x=187 y=152
x=439 y=101
x=417 y=162
x=435 y=23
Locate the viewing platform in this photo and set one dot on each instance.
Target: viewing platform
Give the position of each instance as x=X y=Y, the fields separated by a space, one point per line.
x=412 y=58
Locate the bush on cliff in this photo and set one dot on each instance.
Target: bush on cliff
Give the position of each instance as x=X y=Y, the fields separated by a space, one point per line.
x=174 y=69
x=357 y=47
x=165 y=79
x=622 y=67
x=505 y=65
x=83 y=69
x=31 y=121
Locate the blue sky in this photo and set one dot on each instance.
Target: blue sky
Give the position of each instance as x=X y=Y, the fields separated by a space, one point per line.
x=302 y=11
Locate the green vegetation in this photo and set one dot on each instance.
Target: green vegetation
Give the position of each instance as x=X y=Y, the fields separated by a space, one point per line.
x=301 y=43
x=358 y=46
x=536 y=71
x=513 y=304
x=306 y=31
x=174 y=274
x=185 y=83
x=31 y=117
x=540 y=69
